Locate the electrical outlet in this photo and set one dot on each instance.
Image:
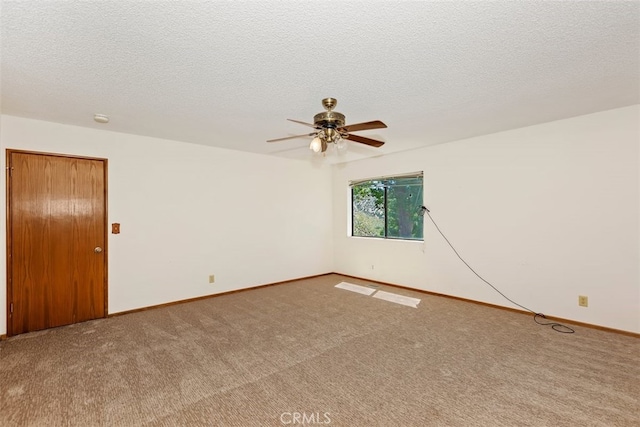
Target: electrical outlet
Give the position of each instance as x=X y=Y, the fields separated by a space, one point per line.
x=212 y=278
x=583 y=301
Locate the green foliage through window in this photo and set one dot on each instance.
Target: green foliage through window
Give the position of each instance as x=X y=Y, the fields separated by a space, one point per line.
x=388 y=208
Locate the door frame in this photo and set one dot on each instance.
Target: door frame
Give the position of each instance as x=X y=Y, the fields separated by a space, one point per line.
x=9 y=278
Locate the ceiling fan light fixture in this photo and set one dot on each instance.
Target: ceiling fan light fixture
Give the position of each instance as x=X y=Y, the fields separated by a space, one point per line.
x=330 y=135
x=316 y=144
x=329 y=128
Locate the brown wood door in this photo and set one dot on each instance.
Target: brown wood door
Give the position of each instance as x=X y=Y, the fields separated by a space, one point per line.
x=56 y=240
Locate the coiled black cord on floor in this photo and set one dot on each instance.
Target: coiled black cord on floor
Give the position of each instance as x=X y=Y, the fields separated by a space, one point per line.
x=558 y=327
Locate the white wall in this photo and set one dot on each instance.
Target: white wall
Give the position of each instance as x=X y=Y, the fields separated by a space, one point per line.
x=545 y=213
x=188 y=211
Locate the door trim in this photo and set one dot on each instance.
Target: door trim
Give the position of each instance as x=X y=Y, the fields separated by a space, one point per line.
x=9 y=281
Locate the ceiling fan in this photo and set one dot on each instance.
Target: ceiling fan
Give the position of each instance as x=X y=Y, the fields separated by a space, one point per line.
x=329 y=128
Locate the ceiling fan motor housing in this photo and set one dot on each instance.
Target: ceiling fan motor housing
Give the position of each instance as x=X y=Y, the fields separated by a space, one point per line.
x=329 y=119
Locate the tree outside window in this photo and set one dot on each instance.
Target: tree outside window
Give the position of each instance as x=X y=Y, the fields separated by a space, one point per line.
x=388 y=208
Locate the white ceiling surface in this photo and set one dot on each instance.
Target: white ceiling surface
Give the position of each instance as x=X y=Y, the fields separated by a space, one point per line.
x=228 y=74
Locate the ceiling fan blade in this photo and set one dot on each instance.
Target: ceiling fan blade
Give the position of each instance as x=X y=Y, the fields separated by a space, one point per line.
x=376 y=124
x=291 y=137
x=303 y=123
x=363 y=140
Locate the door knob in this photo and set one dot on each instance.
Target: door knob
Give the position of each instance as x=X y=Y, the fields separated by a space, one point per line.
x=97 y=250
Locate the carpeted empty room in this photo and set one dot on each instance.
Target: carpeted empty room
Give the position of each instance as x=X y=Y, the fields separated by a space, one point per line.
x=320 y=213
x=305 y=348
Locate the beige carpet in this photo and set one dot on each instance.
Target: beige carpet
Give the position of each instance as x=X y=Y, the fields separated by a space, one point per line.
x=306 y=351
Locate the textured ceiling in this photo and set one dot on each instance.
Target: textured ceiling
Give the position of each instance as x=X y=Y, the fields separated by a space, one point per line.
x=228 y=74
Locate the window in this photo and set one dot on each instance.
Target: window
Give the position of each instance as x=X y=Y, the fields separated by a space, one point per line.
x=387 y=207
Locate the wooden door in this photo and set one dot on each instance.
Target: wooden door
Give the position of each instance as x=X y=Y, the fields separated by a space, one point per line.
x=56 y=243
